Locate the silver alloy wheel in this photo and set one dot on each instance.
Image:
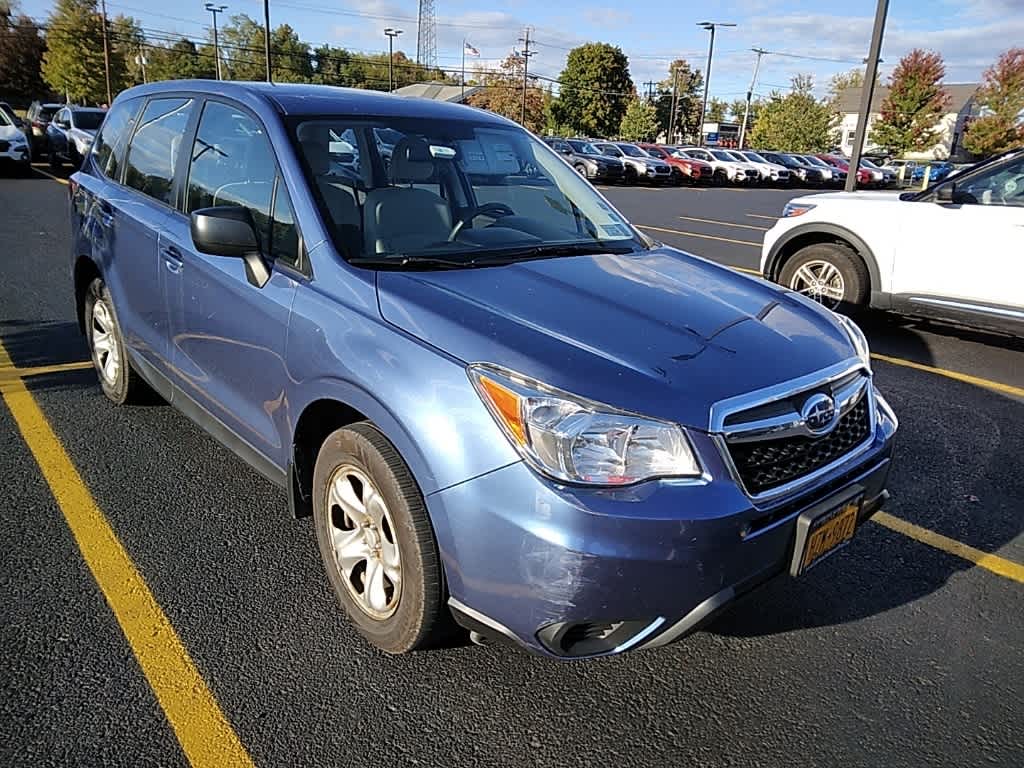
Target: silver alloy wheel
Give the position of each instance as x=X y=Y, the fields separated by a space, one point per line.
x=364 y=542
x=820 y=280
x=104 y=344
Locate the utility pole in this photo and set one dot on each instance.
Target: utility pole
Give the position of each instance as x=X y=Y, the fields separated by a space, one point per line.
x=673 y=105
x=141 y=61
x=266 y=35
x=750 y=94
x=527 y=53
x=106 y=52
x=710 y=26
x=215 y=9
x=650 y=90
x=867 y=93
x=392 y=34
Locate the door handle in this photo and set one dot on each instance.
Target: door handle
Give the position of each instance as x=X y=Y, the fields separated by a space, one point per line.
x=172 y=260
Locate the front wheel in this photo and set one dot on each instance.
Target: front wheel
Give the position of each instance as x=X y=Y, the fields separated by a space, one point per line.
x=830 y=273
x=581 y=169
x=377 y=543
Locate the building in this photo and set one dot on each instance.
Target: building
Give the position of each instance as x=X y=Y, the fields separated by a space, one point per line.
x=962 y=106
x=438 y=91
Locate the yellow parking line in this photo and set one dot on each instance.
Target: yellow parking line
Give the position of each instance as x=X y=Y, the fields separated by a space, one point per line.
x=695 y=234
x=202 y=730
x=723 y=223
x=47 y=173
x=42 y=370
x=993 y=563
x=997 y=386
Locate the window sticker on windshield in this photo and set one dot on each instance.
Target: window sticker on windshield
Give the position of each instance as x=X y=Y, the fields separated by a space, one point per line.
x=615 y=230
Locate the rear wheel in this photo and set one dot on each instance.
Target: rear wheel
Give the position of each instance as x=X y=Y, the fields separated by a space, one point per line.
x=377 y=542
x=119 y=381
x=830 y=273
x=581 y=169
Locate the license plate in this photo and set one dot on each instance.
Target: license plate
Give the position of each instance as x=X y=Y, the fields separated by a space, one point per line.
x=819 y=536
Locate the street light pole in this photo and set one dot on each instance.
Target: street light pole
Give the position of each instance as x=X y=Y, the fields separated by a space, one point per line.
x=867 y=94
x=710 y=26
x=392 y=34
x=215 y=9
x=673 y=106
x=106 y=52
x=527 y=53
x=750 y=94
x=266 y=35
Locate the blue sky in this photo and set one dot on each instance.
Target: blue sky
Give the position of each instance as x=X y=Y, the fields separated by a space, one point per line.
x=968 y=33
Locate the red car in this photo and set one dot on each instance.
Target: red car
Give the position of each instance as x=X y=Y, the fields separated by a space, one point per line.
x=863 y=175
x=694 y=171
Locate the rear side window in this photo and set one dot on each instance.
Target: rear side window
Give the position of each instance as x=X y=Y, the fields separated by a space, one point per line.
x=108 y=148
x=153 y=153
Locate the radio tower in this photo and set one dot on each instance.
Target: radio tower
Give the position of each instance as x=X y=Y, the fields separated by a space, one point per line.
x=426 y=38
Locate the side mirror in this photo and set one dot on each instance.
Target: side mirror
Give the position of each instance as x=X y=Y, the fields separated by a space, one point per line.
x=945 y=194
x=565 y=151
x=230 y=231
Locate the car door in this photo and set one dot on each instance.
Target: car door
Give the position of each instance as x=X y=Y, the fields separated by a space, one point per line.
x=229 y=334
x=57 y=131
x=967 y=253
x=138 y=210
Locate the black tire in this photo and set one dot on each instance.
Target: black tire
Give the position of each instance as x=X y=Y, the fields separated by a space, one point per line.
x=852 y=269
x=720 y=178
x=54 y=161
x=421 y=618
x=581 y=169
x=127 y=387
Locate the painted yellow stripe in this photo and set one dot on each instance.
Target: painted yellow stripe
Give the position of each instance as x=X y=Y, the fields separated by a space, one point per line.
x=58 y=179
x=723 y=223
x=997 y=386
x=42 y=370
x=993 y=563
x=202 y=730
x=695 y=234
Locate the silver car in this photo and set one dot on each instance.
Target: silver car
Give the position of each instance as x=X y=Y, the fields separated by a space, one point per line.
x=639 y=165
x=70 y=133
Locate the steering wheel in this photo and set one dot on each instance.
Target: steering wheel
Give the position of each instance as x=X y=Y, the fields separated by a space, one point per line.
x=494 y=210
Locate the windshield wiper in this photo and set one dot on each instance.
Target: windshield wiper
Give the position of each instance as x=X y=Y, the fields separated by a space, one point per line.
x=554 y=250
x=398 y=262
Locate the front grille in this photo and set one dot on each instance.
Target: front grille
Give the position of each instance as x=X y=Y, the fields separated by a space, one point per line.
x=767 y=464
x=4 y=146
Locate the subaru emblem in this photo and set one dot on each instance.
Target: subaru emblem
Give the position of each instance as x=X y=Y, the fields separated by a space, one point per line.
x=819 y=414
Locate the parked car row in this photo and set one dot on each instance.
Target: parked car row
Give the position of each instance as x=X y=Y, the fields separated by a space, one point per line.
x=61 y=132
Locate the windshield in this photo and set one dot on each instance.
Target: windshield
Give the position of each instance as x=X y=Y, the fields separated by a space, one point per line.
x=609 y=149
x=797 y=160
x=87 y=121
x=865 y=163
x=816 y=161
x=755 y=157
x=584 y=148
x=4 y=119
x=737 y=157
x=632 y=151
x=454 y=190
x=721 y=155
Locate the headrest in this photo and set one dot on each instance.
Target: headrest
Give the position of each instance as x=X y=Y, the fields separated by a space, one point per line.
x=317 y=155
x=411 y=161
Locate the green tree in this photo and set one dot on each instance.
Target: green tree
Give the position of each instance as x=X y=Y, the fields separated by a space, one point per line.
x=736 y=110
x=290 y=57
x=716 y=111
x=179 y=61
x=1001 y=98
x=127 y=43
x=844 y=81
x=688 y=99
x=595 y=89
x=914 y=107
x=796 y=122
x=640 y=123
x=73 y=62
x=503 y=93
x=21 y=56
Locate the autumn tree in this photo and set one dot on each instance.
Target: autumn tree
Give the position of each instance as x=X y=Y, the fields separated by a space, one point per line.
x=1001 y=98
x=21 y=56
x=797 y=122
x=912 y=110
x=73 y=63
x=502 y=92
x=640 y=123
x=595 y=89
x=688 y=99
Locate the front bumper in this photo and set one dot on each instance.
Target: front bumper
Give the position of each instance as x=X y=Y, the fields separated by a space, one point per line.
x=526 y=558
x=604 y=172
x=19 y=154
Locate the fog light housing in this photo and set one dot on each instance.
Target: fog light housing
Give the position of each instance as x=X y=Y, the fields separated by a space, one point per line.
x=577 y=639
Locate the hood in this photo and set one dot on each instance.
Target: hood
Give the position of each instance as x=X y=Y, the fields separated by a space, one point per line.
x=660 y=332
x=863 y=196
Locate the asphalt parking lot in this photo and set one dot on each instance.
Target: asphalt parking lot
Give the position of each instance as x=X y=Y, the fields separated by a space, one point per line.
x=905 y=649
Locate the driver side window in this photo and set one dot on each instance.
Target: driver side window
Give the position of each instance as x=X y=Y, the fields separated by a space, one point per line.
x=1002 y=184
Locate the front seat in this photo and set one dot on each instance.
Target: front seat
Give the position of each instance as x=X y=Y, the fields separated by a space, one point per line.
x=403 y=219
x=339 y=198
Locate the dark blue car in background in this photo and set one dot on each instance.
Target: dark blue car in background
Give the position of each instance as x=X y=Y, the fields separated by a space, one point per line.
x=503 y=406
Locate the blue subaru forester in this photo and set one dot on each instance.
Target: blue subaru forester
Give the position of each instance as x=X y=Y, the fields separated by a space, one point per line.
x=504 y=407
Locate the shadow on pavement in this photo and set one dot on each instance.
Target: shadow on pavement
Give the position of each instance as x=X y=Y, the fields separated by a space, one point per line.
x=33 y=343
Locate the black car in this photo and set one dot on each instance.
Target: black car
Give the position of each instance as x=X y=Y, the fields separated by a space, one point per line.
x=800 y=171
x=37 y=119
x=8 y=110
x=585 y=158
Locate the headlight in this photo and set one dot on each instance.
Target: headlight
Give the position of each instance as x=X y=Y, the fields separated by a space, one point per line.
x=796 y=209
x=857 y=337
x=576 y=440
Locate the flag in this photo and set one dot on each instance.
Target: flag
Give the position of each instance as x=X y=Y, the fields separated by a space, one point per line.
x=469 y=50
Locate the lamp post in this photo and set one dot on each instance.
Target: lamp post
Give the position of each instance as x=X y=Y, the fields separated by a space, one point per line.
x=867 y=93
x=710 y=26
x=392 y=34
x=215 y=9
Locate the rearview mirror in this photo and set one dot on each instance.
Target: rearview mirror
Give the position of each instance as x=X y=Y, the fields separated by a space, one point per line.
x=945 y=193
x=229 y=230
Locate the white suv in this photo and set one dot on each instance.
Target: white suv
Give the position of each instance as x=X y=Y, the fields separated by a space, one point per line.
x=725 y=168
x=954 y=251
